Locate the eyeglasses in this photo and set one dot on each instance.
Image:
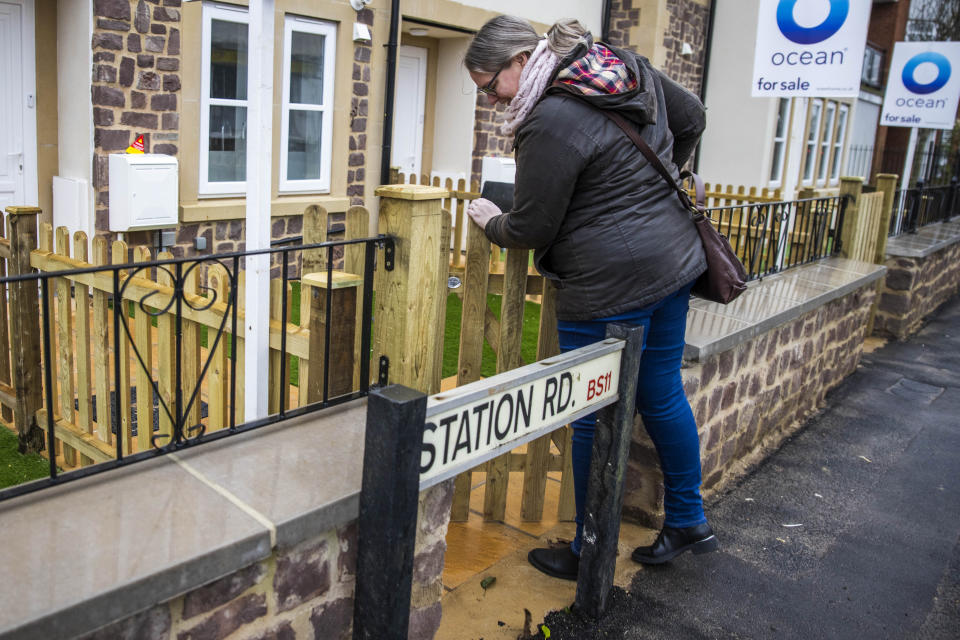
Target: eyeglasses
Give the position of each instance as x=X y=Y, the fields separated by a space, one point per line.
x=488 y=89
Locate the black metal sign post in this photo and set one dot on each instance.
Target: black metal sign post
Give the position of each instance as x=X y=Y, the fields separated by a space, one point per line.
x=608 y=470
x=388 y=513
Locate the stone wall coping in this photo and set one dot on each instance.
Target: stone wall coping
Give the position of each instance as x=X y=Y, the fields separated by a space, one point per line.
x=100 y=549
x=771 y=302
x=927 y=240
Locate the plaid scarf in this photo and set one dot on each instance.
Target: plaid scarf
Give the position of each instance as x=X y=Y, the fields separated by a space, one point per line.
x=599 y=72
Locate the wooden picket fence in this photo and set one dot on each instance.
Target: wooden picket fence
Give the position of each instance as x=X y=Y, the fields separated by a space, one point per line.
x=81 y=317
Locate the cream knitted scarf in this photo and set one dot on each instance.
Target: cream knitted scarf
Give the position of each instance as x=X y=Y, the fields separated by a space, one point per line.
x=533 y=81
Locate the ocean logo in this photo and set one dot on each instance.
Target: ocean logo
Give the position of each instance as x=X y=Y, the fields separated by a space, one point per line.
x=839 y=9
x=943 y=72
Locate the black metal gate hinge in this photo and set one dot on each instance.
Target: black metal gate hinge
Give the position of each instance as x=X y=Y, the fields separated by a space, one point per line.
x=384 y=372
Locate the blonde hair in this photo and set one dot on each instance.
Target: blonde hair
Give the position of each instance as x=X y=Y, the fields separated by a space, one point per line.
x=504 y=37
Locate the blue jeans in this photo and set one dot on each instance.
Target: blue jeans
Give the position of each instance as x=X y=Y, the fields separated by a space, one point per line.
x=660 y=401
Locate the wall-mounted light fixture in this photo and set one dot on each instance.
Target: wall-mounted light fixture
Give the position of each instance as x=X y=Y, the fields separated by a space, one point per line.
x=419 y=31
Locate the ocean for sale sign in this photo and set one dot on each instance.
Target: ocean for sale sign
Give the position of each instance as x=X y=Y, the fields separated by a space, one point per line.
x=924 y=85
x=810 y=48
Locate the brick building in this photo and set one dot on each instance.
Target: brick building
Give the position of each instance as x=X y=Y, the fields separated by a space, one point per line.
x=96 y=74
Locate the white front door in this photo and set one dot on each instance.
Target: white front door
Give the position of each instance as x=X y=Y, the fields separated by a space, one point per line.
x=408 y=109
x=11 y=107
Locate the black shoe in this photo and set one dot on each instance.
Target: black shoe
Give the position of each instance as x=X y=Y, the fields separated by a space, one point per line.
x=672 y=542
x=559 y=562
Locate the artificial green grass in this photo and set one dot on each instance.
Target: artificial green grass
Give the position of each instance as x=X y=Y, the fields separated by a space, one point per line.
x=451 y=338
x=16 y=468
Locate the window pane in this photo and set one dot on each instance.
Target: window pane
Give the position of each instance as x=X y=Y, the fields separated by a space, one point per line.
x=227 y=161
x=777 y=161
x=228 y=60
x=782 y=118
x=303 y=145
x=838 y=143
x=825 y=141
x=306 y=68
x=811 y=150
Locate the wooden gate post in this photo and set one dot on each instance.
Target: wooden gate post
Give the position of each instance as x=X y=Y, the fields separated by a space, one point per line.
x=851 y=216
x=887 y=183
x=408 y=330
x=410 y=298
x=25 y=327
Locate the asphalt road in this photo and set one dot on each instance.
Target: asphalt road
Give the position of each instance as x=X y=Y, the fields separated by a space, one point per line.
x=850 y=530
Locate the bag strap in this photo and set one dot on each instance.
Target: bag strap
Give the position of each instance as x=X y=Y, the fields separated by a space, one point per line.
x=700 y=192
x=699 y=203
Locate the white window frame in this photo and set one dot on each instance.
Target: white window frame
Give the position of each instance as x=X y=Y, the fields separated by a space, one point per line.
x=826 y=142
x=329 y=31
x=813 y=133
x=778 y=161
x=844 y=111
x=224 y=13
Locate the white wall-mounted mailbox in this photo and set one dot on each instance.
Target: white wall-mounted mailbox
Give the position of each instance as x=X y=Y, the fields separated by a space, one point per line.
x=143 y=191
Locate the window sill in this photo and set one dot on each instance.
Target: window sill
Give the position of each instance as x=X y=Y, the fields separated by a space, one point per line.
x=236 y=208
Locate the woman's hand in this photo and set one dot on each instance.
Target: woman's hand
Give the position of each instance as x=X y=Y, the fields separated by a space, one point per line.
x=481 y=210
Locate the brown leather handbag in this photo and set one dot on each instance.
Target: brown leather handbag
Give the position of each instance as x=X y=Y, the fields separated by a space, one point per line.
x=725 y=277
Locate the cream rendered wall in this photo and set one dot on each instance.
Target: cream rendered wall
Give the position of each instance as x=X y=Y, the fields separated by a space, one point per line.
x=589 y=12
x=738 y=141
x=456 y=101
x=75 y=109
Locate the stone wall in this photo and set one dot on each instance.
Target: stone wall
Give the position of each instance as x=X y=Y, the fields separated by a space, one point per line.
x=301 y=592
x=487 y=139
x=688 y=24
x=747 y=399
x=136 y=84
x=623 y=17
x=913 y=289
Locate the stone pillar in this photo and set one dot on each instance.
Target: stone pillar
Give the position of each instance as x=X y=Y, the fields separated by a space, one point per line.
x=410 y=308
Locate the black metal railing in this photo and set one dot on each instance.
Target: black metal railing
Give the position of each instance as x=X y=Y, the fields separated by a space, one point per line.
x=922 y=205
x=933 y=165
x=769 y=237
x=177 y=304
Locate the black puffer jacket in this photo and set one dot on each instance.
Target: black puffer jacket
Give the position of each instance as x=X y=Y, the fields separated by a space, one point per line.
x=607 y=228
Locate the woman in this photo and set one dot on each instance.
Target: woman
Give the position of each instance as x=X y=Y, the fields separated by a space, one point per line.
x=607 y=230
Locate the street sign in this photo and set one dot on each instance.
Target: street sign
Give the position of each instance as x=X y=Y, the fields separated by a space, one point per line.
x=482 y=420
x=923 y=87
x=810 y=48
